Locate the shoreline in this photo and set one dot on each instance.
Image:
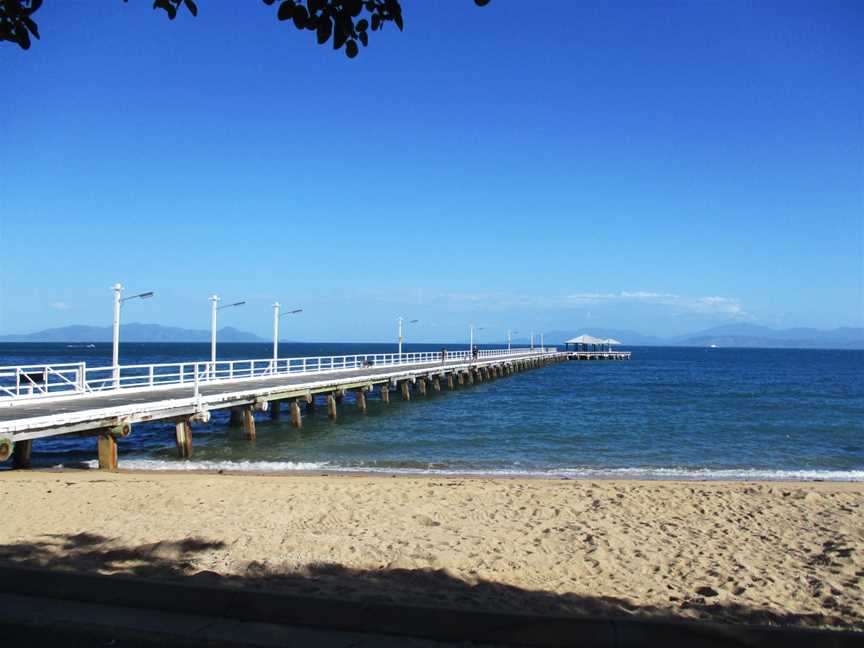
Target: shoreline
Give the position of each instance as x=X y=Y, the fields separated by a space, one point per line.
x=776 y=553
x=612 y=475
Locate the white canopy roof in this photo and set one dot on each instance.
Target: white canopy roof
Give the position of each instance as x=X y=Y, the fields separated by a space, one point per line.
x=585 y=339
x=611 y=341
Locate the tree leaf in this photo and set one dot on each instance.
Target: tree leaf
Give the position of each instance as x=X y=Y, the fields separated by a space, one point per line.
x=339 y=36
x=301 y=16
x=325 y=29
x=362 y=25
x=351 y=48
x=23 y=39
x=192 y=7
x=364 y=38
x=32 y=26
x=286 y=10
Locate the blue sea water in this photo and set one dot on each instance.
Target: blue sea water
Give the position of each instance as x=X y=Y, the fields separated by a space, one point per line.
x=667 y=413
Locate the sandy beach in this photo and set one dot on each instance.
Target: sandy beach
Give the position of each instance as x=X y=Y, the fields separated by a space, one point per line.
x=775 y=553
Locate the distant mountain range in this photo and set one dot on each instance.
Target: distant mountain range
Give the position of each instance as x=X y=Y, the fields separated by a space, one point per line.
x=731 y=335
x=132 y=333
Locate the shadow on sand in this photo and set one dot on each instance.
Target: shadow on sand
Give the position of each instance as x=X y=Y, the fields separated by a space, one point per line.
x=174 y=562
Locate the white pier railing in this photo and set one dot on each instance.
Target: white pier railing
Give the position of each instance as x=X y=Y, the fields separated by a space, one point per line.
x=40 y=381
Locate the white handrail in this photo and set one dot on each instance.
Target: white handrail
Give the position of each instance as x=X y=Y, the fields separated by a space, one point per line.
x=33 y=381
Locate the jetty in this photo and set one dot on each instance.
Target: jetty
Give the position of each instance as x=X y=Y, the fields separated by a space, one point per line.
x=40 y=401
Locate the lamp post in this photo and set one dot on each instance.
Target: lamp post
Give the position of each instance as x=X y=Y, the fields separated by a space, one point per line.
x=542 y=346
x=119 y=299
x=214 y=306
x=532 y=340
x=471 y=329
x=510 y=339
x=400 y=322
x=276 y=316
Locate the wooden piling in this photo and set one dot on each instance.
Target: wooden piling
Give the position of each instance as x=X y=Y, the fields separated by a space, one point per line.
x=296 y=417
x=361 y=399
x=339 y=394
x=21 y=454
x=332 y=411
x=450 y=384
x=235 y=417
x=421 y=385
x=107 y=451
x=406 y=391
x=310 y=403
x=183 y=437
x=436 y=384
x=275 y=409
x=384 y=392
x=469 y=376
x=248 y=423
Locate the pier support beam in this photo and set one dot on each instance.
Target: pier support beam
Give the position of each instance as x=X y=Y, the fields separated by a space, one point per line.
x=248 y=423
x=339 y=395
x=469 y=376
x=332 y=411
x=183 y=437
x=450 y=384
x=107 y=450
x=296 y=417
x=406 y=391
x=310 y=402
x=275 y=409
x=421 y=385
x=235 y=417
x=21 y=454
x=361 y=399
x=436 y=384
x=384 y=392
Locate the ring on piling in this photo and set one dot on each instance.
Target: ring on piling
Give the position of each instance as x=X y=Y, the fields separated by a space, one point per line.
x=6 y=446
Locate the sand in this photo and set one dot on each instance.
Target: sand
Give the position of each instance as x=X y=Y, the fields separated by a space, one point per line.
x=774 y=553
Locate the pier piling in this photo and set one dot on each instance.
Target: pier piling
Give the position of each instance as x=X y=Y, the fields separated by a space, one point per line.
x=332 y=411
x=107 y=451
x=384 y=392
x=183 y=437
x=21 y=454
x=248 y=423
x=275 y=409
x=406 y=391
x=361 y=399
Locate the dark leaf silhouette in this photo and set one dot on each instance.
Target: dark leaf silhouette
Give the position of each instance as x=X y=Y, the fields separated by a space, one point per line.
x=345 y=21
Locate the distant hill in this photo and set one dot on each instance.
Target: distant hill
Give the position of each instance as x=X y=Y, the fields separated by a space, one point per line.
x=752 y=336
x=731 y=335
x=132 y=333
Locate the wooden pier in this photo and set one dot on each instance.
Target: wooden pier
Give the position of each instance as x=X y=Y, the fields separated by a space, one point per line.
x=107 y=402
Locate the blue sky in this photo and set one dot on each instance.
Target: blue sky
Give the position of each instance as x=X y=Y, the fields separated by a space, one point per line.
x=547 y=165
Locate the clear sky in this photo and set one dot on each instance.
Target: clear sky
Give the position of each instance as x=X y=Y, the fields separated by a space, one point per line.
x=528 y=165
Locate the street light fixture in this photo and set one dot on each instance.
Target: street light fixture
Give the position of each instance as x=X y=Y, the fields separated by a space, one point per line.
x=118 y=299
x=400 y=321
x=276 y=317
x=214 y=306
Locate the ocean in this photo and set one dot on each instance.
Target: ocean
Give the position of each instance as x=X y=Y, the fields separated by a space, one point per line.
x=669 y=412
